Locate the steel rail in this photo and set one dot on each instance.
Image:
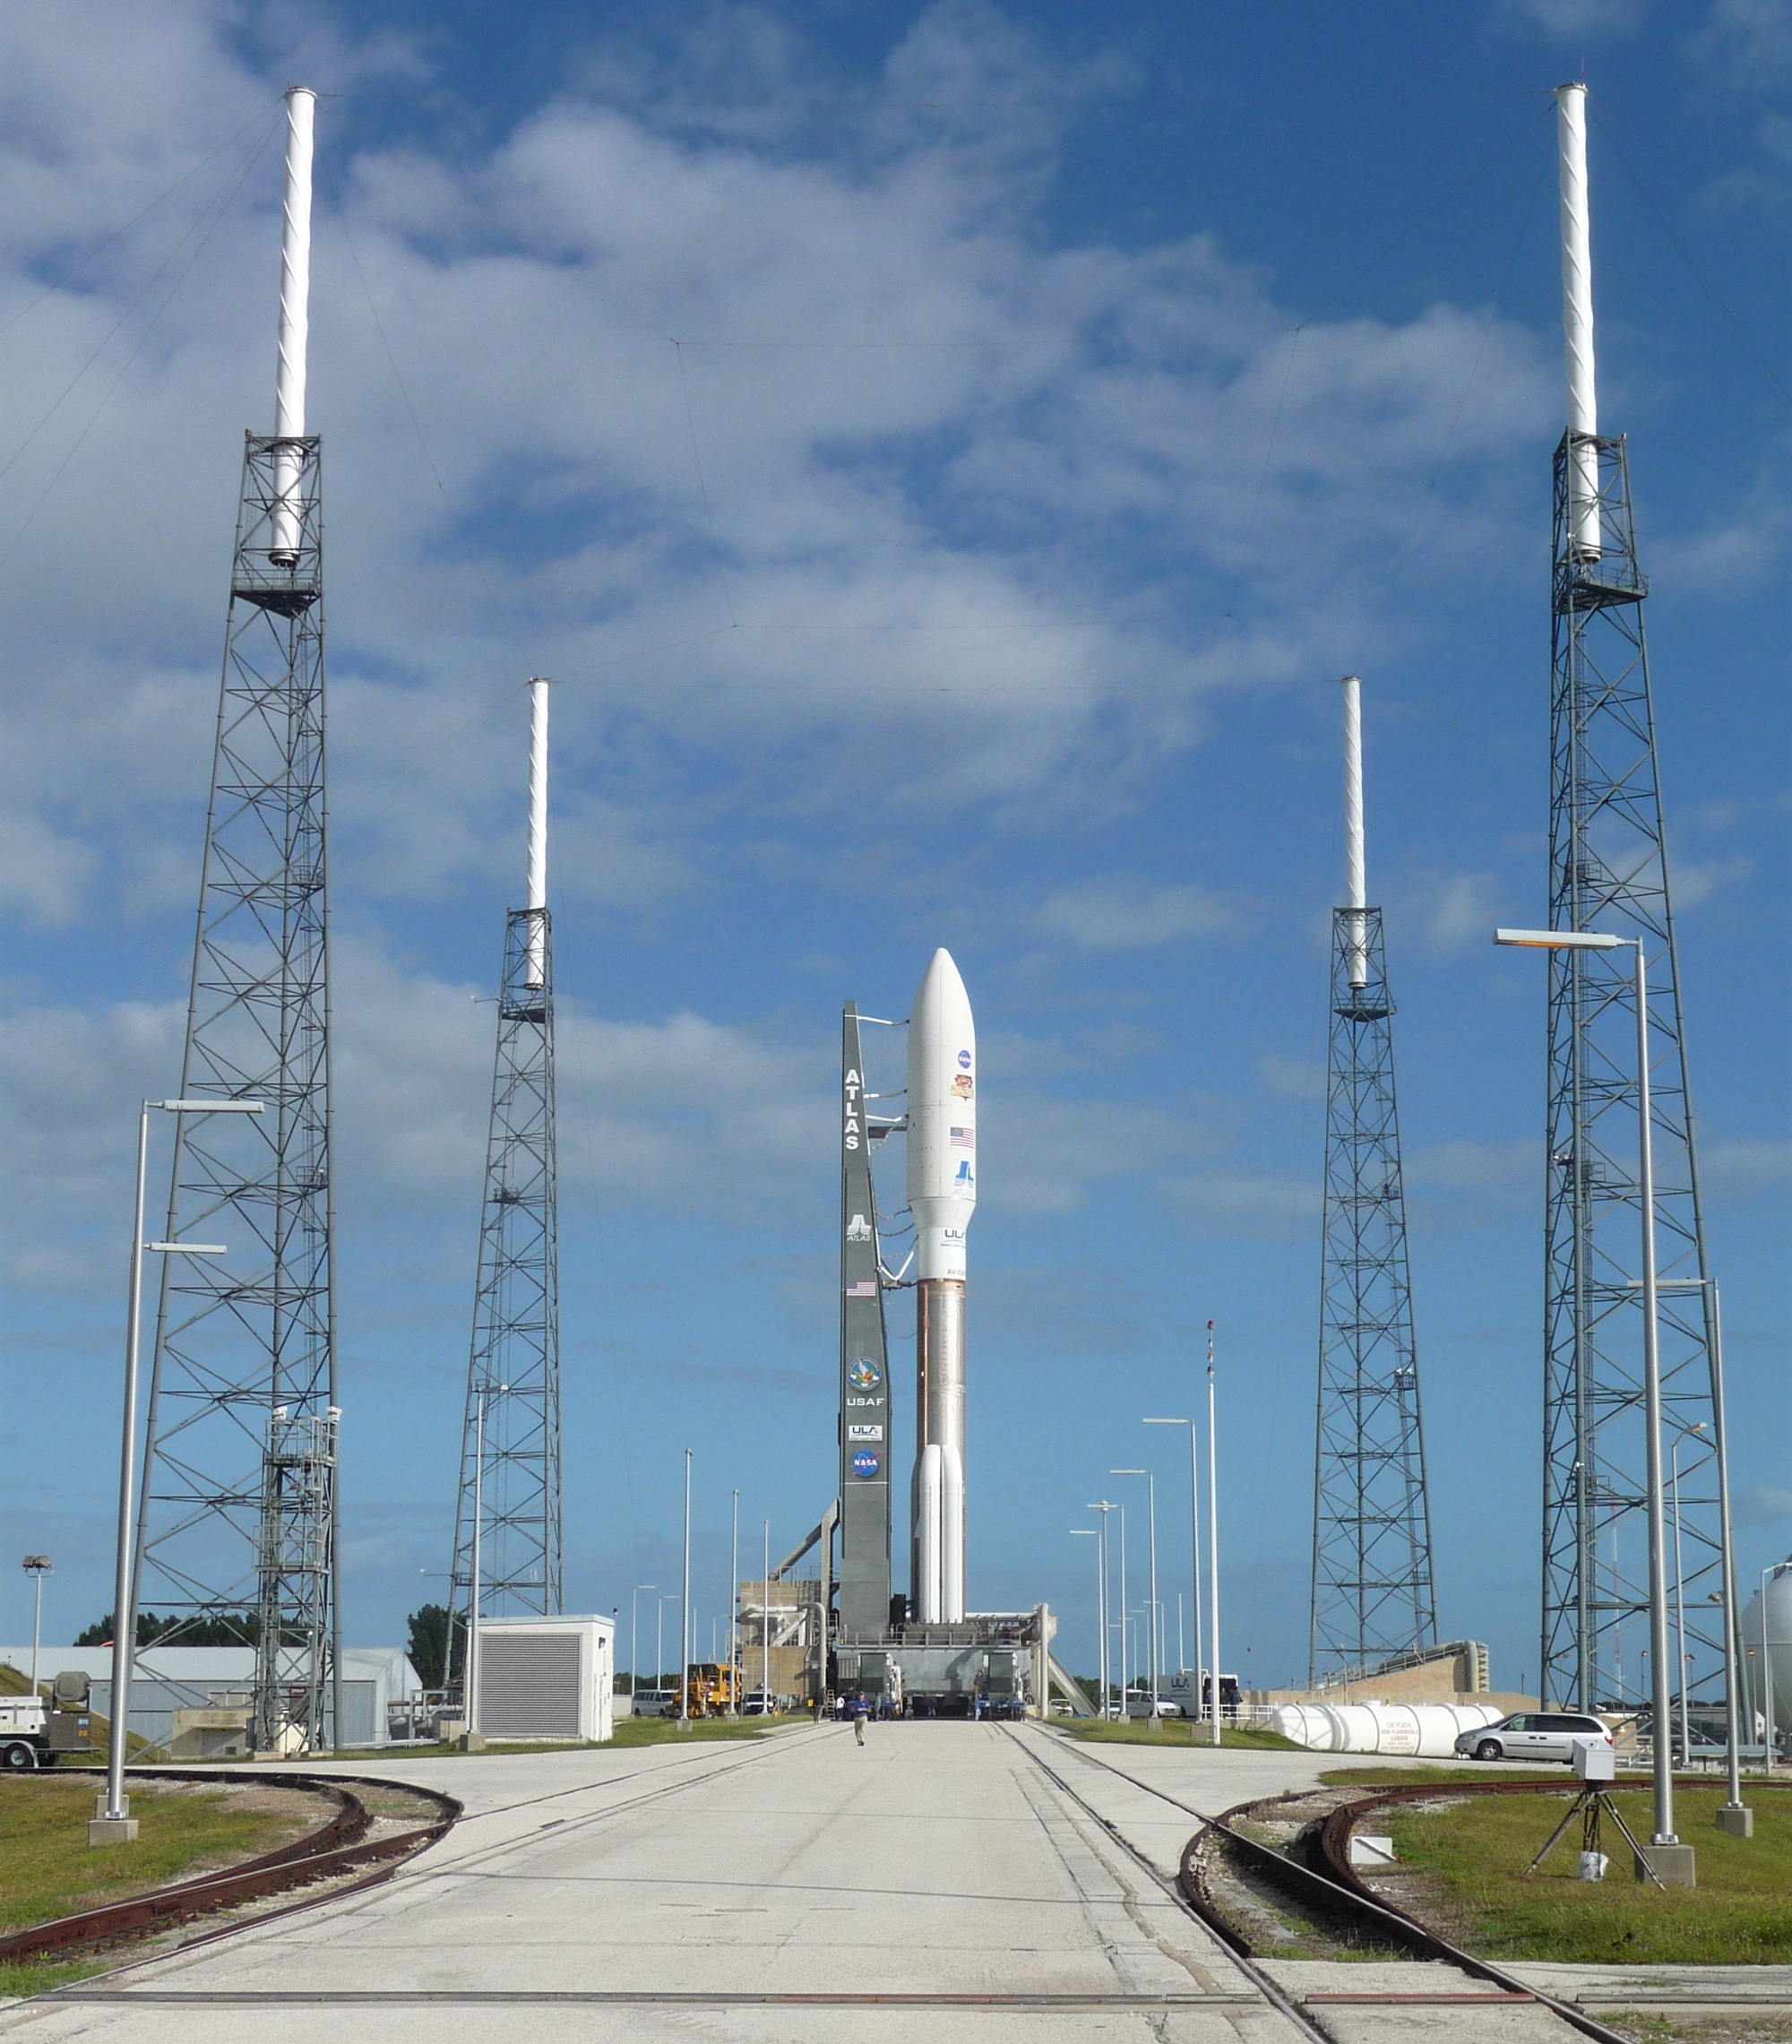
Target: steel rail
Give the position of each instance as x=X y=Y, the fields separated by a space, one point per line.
x=1346 y=1897
x=336 y=1847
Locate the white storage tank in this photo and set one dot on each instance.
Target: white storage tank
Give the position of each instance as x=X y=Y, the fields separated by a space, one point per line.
x=1419 y=1731
x=547 y=1678
x=1774 y=1613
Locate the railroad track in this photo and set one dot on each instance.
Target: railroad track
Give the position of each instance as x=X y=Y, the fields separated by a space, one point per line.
x=1334 y=1892
x=336 y=1848
x=339 y=1847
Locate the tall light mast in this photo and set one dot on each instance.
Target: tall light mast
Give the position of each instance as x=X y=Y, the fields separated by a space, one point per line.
x=1609 y=871
x=509 y=1504
x=237 y=1524
x=1373 y=1593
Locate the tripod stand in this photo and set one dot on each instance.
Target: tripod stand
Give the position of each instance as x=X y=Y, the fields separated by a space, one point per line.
x=1589 y=1806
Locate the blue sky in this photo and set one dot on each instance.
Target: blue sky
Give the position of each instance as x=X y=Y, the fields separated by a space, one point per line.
x=945 y=454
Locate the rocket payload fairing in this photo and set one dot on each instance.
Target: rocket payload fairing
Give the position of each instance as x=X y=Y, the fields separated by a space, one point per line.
x=941 y=1198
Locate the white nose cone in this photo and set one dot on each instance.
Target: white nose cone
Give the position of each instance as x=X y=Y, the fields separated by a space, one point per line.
x=942 y=1119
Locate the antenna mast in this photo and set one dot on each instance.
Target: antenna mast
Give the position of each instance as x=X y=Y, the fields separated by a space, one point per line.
x=237 y=1532
x=1609 y=871
x=1373 y=1593
x=513 y=1371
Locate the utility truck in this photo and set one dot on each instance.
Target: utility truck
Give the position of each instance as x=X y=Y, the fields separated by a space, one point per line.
x=35 y=1730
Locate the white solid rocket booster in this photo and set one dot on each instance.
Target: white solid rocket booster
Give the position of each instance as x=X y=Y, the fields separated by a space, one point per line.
x=295 y=322
x=1576 y=322
x=941 y=1197
x=1355 y=880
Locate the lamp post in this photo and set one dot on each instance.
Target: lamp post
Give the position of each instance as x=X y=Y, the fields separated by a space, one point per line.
x=1767 y=1574
x=1089 y=1534
x=634 y=1640
x=1214 y=1531
x=1661 y=1698
x=685 y=1613
x=1125 y=1685
x=670 y=1597
x=1152 y=1524
x=115 y=1824
x=37 y=1566
x=1194 y=1545
x=470 y=1712
x=734 y=1608
x=1107 y=1656
x=765 y=1629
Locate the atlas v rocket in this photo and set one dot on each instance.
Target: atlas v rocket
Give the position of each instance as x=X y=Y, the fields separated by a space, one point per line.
x=941 y=1198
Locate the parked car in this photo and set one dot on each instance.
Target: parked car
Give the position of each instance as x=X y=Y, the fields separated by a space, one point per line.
x=759 y=1705
x=1533 y=1734
x=655 y=1703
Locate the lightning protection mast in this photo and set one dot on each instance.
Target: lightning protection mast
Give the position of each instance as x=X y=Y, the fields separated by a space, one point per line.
x=507 y=1522
x=236 y=1534
x=1373 y=1594
x=1608 y=872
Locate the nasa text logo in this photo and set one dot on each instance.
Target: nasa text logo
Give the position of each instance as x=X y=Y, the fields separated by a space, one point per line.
x=867 y=1461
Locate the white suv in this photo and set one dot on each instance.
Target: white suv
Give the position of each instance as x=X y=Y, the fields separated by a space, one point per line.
x=1532 y=1735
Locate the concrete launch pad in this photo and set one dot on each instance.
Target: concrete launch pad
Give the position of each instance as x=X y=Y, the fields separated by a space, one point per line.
x=935 y=1886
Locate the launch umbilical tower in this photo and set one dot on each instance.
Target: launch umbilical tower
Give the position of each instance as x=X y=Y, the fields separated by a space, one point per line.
x=237 y=1525
x=507 y=1546
x=1608 y=872
x=1372 y=1591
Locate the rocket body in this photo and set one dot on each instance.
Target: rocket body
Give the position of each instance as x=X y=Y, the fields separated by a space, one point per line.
x=941 y=1197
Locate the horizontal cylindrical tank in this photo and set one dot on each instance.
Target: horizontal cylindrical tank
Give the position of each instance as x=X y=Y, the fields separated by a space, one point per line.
x=1773 y=1646
x=1424 y=1732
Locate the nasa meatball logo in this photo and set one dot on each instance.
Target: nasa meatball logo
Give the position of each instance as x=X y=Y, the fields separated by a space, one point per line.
x=964 y=1061
x=867 y=1461
x=862 y=1374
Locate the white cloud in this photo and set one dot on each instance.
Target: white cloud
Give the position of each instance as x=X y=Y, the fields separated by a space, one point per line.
x=903 y=543
x=1744 y=1164
x=1292 y=1078
x=1247 y=1202
x=1566 y=19
x=1128 y=915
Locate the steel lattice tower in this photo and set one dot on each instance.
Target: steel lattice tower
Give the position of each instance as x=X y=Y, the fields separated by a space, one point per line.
x=513 y=1373
x=1373 y=1593
x=1608 y=872
x=237 y=1525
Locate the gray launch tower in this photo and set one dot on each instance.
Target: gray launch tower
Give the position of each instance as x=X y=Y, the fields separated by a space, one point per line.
x=236 y=1524
x=1373 y=1593
x=864 y=1442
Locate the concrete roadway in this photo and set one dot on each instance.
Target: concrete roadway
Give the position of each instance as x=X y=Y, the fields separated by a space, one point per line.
x=655 y=1892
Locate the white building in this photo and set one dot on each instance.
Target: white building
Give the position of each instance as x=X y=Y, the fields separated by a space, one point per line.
x=546 y=1679
x=218 y=1682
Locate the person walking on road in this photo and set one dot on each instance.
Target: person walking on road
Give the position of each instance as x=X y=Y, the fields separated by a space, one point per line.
x=861 y=1711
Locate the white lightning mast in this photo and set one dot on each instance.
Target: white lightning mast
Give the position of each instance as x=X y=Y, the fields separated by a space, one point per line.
x=295 y=322
x=1577 y=322
x=538 y=826
x=1356 y=883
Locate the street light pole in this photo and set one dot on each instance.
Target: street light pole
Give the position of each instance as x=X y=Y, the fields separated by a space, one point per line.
x=765 y=1628
x=1213 y=1532
x=37 y=1566
x=1680 y=1605
x=685 y=1613
x=1125 y=1685
x=1107 y=1657
x=1152 y=1524
x=469 y=1715
x=734 y=1608
x=670 y=1597
x=1089 y=1534
x=1660 y=1691
x=114 y=1824
x=634 y=1641
x=1194 y=1546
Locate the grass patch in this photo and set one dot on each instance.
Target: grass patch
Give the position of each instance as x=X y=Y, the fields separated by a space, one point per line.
x=47 y=1869
x=1175 y=1732
x=38 y=1977
x=1739 y=1914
